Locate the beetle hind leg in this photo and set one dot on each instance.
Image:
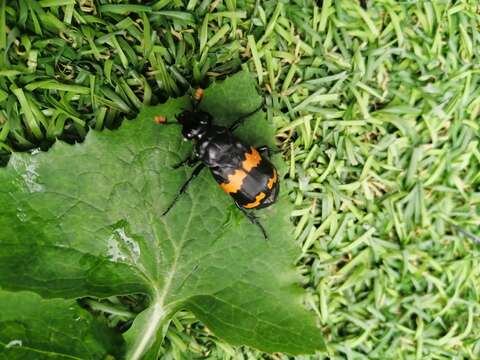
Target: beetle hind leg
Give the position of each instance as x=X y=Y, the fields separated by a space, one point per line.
x=254 y=220
x=265 y=151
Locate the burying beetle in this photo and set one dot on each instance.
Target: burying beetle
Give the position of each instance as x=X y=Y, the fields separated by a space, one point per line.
x=241 y=170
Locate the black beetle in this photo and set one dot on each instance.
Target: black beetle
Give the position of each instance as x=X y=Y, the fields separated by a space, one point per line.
x=241 y=170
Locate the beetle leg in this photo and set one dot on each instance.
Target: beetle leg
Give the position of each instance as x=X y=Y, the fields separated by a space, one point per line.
x=267 y=152
x=264 y=150
x=184 y=187
x=187 y=162
x=253 y=219
x=242 y=118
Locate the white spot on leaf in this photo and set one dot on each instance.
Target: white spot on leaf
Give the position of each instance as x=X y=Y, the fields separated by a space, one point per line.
x=14 y=343
x=21 y=215
x=114 y=251
x=30 y=177
x=28 y=171
x=122 y=248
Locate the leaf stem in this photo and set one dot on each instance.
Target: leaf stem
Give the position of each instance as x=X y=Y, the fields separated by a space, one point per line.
x=158 y=319
x=112 y=310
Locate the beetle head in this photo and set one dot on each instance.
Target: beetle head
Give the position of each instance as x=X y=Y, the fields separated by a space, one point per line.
x=195 y=123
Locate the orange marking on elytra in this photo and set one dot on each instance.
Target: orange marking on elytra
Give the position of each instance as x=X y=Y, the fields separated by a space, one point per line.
x=257 y=201
x=235 y=181
x=272 y=180
x=252 y=159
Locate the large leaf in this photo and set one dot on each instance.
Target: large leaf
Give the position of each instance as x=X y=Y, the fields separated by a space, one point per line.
x=34 y=328
x=85 y=220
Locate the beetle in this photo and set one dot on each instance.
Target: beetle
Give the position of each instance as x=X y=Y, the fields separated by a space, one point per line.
x=242 y=171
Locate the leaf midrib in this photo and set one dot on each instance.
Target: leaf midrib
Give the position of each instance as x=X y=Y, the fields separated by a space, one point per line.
x=160 y=310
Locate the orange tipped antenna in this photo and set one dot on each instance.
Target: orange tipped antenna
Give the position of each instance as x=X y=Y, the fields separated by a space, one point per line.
x=160 y=119
x=198 y=94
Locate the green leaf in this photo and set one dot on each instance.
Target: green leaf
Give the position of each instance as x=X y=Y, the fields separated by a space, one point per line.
x=86 y=220
x=35 y=328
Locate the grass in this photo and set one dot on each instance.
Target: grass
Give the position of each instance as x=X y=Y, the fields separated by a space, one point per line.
x=377 y=113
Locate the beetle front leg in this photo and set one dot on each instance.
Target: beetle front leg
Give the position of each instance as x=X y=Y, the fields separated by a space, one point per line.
x=187 y=162
x=184 y=187
x=242 y=118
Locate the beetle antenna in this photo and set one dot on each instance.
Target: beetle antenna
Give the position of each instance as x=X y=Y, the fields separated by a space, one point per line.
x=197 y=97
x=162 y=120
